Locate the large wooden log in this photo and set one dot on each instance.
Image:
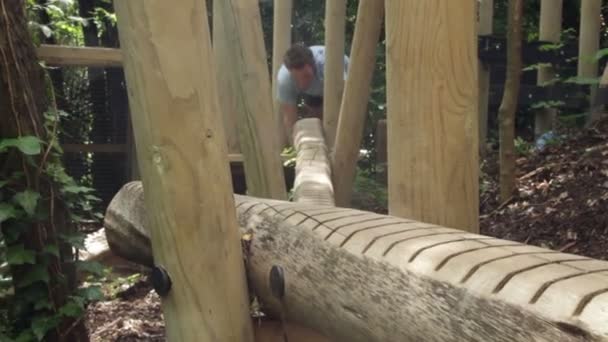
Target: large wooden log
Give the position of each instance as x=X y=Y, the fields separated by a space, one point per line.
x=335 y=19
x=250 y=92
x=353 y=110
x=358 y=276
x=182 y=157
x=432 y=111
x=313 y=170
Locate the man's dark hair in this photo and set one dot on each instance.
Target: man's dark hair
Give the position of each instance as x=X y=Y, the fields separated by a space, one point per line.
x=298 y=56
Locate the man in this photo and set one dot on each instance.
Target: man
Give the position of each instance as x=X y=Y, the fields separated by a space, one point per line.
x=302 y=75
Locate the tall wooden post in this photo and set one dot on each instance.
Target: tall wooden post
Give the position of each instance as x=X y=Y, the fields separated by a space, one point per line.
x=247 y=73
x=184 y=167
x=281 y=39
x=589 y=40
x=432 y=111
x=485 y=22
x=356 y=96
x=550 y=30
x=224 y=84
x=335 y=17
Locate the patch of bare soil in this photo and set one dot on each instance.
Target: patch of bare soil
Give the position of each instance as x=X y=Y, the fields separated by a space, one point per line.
x=561 y=200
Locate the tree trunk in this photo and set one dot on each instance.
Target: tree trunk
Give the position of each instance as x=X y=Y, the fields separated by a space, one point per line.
x=357 y=276
x=250 y=92
x=23 y=103
x=432 y=104
x=335 y=19
x=182 y=154
x=589 y=42
x=353 y=111
x=508 y=106
x=550 y=30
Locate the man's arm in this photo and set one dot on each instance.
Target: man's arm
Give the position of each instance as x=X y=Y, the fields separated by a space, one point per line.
x=290 y=116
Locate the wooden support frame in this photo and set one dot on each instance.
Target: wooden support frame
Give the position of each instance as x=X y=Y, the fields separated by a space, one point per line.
x=80 y=56
x=432 y=117
x=454 y=285
x=335 y=19
x=353 y=111
x=250 y=92
x=181 y=152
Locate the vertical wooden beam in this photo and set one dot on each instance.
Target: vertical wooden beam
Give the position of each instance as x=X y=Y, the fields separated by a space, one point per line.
x=182 y=155
x=250 y=93
x=550 y=30
x=228 y=107
x=356 y=96
x=485 y=22
x=281 y=39
x=335 y=18
x=589 y=40
x=432 y=111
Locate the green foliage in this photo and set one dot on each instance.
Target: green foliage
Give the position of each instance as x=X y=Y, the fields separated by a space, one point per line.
x=522 y=147
x=547 y=104
x=27 y=145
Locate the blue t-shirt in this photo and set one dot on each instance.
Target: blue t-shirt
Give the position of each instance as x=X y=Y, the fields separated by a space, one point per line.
x=287 y=92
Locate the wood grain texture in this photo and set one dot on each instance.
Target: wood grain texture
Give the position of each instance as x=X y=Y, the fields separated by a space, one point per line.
x=250 y=84
x=432 y=114
x=312 y=184
x=485 y=23
x=79 y=56
x=281 y=40
x=358 y=276
x=182 y=153
x=353 y=111
x=550 y=30
x=333 y=83
x=225 y=85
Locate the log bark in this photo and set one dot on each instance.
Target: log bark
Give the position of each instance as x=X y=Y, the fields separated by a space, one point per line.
x=281 y=39
x=550 y=30
x=432 y=102
x=508 y=106
x=181 y=150
x=335 y=19
x=358 y=276
x=353 y=111
x=250 y=84
x=485 y=22
x=312 y=184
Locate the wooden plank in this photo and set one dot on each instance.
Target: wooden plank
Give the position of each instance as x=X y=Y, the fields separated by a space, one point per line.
x=281 y=40
x=224 y=84
x=181 y=149
x=333 y=82
x=550 y=30
x=455 y=285
x=485 y=23
x=80 y=56
x=250 y=92
x=432 y=111
x=312 y=184
x=353 y=111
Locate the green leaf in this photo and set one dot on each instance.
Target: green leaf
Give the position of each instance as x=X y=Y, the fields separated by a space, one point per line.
x=28 y=200
x=73 y=308
x=76 y=240
x=91 y=293
x=90 y=267
x=52 y=250
x=29 y=145
x=42 y=324
x=43 y=303
x=601 y=54
x=76 y=189
x=38 y=272
x=7 y=211
x=18 y=255
x=583 y=80
x=25 y=336
x=3 y=183
x=536 y=66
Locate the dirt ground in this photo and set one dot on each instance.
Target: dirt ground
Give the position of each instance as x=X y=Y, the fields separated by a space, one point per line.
x=560 y=203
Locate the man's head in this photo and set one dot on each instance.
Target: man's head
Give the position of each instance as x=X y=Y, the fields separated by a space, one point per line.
x=301 y=65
